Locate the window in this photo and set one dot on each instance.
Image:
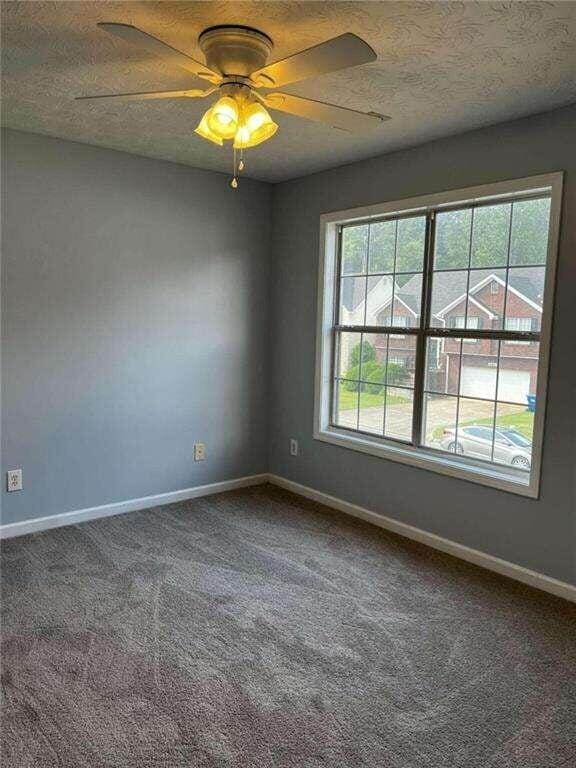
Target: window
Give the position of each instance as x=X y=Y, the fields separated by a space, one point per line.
x=461 y=322
x=399 y=321
x=461 y=388
x=518 y=324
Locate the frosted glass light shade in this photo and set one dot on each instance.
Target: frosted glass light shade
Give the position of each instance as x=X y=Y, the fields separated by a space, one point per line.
x=203 y=129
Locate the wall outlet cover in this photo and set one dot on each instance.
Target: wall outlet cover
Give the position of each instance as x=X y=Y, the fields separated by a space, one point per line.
x=199 y=452
x=14 y=480
x=293 y=447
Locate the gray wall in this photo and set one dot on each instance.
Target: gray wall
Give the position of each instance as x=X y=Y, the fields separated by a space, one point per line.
x=536 y=534
x=134 y=324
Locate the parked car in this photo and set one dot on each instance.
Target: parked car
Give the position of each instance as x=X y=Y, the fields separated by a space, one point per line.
x=510 y=446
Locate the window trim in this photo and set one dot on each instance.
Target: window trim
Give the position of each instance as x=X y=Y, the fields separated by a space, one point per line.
x=503 y=478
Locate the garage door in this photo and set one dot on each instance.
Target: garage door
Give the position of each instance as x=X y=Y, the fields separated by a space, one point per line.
x=513 y=386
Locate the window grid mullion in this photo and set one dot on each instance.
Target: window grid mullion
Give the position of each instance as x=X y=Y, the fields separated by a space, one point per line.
x=335 y=334
x=507 y=273
x=495 y=403
x=445 y=333
x=420 y=363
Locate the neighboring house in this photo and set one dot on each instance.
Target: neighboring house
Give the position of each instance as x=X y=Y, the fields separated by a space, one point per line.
x=488 y=301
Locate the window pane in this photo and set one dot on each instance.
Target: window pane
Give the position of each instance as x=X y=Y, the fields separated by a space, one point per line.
x=452 y=247
x=398 y=413
x=352 y=300
x=486 y=297
x=442 y=373
x=401 y=360
x=382 y=246
x=371 y=408
x=346 y=393
x=410 y=245
x=513 y=436
x=372 y=367
x=439 y=422
x=348 y=355
x=526 y=294
x=407 y=300
x=518 y=372
x=354 y=249
x=474 y=435
x=490 y=235
x=380 y=291
x=479 y=368
x=529 y=242
x=448 y=297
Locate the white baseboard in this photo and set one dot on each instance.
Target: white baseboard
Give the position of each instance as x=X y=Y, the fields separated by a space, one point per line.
x=491 y=563
x=131 y=505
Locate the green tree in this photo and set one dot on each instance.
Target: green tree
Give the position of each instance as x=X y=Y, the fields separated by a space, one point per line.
x=484 y=237
x=368 y=353
x=354 y=249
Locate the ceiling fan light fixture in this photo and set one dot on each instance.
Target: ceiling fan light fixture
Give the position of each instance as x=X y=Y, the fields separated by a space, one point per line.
x=203 y=129
x=236 y=62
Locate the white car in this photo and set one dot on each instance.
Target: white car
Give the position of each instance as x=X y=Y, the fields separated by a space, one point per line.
x=510 y=446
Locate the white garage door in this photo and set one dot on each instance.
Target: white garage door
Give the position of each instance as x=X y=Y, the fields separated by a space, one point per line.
x=513 y=386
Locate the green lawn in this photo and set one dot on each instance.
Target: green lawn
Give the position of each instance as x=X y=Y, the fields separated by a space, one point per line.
x=522 y=421
x=349 y=400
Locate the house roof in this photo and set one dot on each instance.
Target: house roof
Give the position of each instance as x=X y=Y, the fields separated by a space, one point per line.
x=352 y=293
x=527 y=281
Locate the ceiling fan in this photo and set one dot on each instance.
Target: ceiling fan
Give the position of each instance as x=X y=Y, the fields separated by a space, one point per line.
x=236 y=66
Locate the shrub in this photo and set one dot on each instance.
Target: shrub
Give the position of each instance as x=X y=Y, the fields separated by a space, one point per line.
x=372 y=372
x=376 y=374
x=397 y=374
x=368 y=353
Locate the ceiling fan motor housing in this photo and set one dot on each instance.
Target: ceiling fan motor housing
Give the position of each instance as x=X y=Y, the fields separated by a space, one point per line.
x=235 y=50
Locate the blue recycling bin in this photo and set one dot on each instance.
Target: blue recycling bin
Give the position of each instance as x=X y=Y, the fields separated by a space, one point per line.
x=531 y=403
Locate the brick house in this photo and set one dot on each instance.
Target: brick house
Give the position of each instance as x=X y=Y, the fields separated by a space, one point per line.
x=481 y=304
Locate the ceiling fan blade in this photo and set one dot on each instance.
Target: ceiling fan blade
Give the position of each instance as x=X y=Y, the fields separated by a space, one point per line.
x=319 y=111
x=194 y=93
x=164 y=51
x=344 y=51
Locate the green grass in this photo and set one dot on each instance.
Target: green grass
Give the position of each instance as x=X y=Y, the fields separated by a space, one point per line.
x=523 y=422
x=349 y=400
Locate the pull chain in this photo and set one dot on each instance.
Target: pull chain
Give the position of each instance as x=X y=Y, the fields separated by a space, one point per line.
x=241 y=163
x=234 y=180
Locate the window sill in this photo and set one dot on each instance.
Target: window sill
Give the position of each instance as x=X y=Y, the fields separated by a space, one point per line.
x=504 y=479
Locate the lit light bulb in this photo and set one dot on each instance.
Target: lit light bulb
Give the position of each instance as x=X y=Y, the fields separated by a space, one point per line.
x=256 y=126
x=223 y=118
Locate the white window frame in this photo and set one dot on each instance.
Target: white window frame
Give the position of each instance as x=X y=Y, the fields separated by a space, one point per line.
x=501 y=477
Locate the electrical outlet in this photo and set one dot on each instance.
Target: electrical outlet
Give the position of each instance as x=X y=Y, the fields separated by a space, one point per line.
x=14 y=480
x=293 y=447
x=199 y=452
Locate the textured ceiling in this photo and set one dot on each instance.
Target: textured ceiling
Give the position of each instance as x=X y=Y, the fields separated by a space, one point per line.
x=442 y=68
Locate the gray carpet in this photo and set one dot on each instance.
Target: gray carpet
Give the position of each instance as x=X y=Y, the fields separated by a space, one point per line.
x=256 y=629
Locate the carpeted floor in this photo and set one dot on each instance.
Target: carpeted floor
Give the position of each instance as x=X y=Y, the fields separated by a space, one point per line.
x=259 y=630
